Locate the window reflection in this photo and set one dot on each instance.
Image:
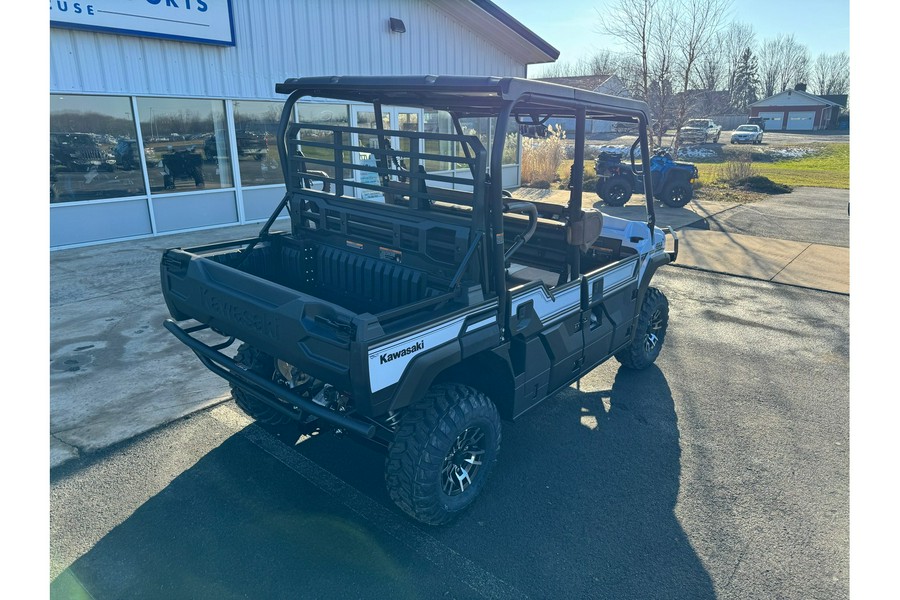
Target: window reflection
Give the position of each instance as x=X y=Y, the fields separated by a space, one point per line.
x=186 y=144
x=256 y=130
x=93 y=149
x=327 y=114
x=438 y=122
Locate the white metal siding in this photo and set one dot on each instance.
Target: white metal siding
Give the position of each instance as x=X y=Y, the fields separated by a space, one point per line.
x=275 y=40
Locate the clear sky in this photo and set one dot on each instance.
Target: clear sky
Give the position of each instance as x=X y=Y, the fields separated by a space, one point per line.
x=570 y=25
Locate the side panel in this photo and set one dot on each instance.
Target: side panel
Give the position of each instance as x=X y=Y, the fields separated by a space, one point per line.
x=547 y=344
x=609 y=301
x=401 y=369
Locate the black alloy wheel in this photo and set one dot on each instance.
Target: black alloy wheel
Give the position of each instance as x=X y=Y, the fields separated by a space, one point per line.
x=677 y=193
x=650 y=333
x=442 y=453
x=616 y=191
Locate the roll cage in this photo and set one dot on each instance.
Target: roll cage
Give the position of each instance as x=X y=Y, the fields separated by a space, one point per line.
x=527 y=102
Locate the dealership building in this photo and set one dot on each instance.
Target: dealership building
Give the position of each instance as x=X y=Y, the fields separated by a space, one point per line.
x=163 y=113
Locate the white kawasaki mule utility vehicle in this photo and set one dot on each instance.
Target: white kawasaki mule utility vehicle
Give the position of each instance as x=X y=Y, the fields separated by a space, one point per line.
x=414 y=301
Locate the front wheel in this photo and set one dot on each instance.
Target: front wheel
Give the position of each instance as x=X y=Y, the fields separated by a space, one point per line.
x=442 y=453
x=677 y=193
x=616 y=191
x=650 y=332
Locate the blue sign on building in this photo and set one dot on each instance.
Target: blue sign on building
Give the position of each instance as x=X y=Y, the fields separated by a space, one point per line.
x=203 y=21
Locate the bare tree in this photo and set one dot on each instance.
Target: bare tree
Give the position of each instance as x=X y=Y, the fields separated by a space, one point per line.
x=783 y=63
x=831 y=73
x=717 y=68
x=697 y=22
x=712 y=70
x=632 y=22
x=662 y=68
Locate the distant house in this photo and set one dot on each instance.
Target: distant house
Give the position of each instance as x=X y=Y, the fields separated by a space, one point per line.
x=797 y=110
x=603 y=84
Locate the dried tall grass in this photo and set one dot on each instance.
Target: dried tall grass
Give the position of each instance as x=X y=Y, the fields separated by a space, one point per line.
x=542 y=157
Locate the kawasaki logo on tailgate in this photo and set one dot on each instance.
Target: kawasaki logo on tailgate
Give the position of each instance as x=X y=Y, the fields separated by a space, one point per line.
x=389 y=356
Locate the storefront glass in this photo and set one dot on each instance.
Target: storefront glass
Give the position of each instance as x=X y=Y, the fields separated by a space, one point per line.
x=186 y=144
x=93 y=149
x=256 y=131
x=325 y=114
x=438 y=121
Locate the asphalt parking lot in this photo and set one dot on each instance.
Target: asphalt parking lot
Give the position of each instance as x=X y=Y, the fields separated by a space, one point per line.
x=720 y=472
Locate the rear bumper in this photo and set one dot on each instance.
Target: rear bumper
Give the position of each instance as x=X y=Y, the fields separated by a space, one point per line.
x=262 y=389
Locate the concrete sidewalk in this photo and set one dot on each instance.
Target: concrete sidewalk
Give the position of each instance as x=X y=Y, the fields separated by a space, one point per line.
x=115 y=372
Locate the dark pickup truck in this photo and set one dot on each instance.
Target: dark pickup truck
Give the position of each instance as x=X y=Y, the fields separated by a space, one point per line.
x=424 y=315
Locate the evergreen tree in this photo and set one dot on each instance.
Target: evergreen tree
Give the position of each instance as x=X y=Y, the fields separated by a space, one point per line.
x=746 y=81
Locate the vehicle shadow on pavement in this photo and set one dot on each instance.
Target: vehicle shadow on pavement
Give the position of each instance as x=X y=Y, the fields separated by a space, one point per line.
x=580 y=506
x=584 y=500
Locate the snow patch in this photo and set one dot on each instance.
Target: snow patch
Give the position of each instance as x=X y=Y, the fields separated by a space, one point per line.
x=791 y=152
x=696 y=152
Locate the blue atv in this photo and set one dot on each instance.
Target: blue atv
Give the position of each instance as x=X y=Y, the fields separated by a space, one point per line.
x=673 y=182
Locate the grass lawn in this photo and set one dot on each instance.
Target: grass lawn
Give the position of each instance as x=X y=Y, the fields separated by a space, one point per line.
x=830 y=168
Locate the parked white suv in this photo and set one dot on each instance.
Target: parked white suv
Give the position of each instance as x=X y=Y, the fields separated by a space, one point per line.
x=700 y=131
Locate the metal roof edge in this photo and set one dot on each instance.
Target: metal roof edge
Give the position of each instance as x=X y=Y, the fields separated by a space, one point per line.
x=514 y=24
x=806 y=94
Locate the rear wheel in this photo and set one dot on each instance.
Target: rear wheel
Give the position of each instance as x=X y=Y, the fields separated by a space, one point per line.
x=442 y=453
x=650 y=332
x=259 y=363
x=677 y=193
x=616 y=191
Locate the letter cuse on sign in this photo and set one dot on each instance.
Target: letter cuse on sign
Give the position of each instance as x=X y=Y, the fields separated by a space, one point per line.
x=203 y=21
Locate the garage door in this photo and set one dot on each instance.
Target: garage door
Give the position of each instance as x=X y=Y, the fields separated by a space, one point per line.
x=801 y=121
x=774 y=120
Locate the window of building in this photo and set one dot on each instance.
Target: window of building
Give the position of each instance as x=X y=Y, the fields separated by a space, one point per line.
x=438 y=121
x=186 y=144
x=93 y=149
x=256 y=132
x=326 y=114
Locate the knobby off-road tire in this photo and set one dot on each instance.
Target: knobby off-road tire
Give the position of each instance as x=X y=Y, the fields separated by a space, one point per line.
x=616 y=191
x=650 y=332
x=442 y=453
x=677 y=193
x=263 y=365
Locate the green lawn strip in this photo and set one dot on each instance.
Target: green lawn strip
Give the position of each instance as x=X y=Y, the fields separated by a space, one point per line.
x=830 y=168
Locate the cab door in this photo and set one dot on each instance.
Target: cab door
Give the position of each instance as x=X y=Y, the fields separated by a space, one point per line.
x=609 y=308
x=545 y=325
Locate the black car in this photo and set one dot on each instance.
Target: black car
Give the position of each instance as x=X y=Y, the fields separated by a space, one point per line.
x=250 y=144
x=758 y=121
x=77 y=152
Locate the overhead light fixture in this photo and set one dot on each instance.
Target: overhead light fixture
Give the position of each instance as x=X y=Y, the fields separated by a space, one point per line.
x=397 y=26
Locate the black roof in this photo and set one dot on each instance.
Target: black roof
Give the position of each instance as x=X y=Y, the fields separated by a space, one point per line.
x=466 y=95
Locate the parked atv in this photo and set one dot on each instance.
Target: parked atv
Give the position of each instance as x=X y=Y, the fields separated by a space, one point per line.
x=183 y=164
x=617 y=179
